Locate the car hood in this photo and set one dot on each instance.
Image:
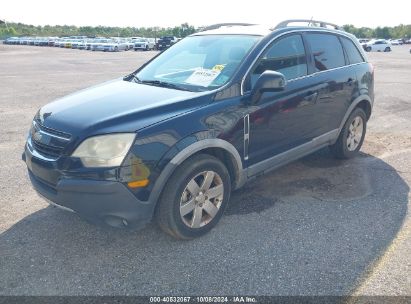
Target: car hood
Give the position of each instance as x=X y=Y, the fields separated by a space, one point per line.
x=117 y=106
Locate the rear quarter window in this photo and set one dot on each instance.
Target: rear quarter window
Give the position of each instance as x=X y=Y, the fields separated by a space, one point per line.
x=327 y=51
x=353 y=54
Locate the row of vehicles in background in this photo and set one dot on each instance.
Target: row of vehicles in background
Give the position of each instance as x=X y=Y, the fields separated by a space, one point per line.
x=112 y=44
x=381 y=45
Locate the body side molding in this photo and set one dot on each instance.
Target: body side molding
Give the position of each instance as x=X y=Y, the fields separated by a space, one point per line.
x=293 y=154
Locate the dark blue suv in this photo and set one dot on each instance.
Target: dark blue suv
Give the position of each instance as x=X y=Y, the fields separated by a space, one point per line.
x=222 y=106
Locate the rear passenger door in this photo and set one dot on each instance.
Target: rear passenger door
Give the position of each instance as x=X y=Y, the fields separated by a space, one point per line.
x=332 y=78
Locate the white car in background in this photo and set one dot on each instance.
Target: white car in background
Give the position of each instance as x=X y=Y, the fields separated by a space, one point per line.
x=144 y=44
x=98 y=44
x=377 y=45
x=114 y=45
x=396 y=42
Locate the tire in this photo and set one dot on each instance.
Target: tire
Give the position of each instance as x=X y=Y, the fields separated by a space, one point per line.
x=115 y=49
x=351 y=138
x=146 y=48
x=196 y=220
x=368 y=49
x=387 y=49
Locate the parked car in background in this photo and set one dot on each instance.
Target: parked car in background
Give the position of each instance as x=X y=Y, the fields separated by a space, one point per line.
x=97 y=44
x=220 y=108
x=144 y=44
x=396 y=42
x=165 y=42
x=115 y=45
x=377 y=45
x=82 y=45
x=130 y=43
x=52 y=41
x=11 y=40
x=24 y=40
x=363 y=40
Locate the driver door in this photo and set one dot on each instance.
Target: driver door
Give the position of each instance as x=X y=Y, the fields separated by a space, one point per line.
x=283 y=120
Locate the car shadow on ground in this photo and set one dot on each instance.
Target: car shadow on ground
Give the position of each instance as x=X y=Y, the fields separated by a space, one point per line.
x=314 y=227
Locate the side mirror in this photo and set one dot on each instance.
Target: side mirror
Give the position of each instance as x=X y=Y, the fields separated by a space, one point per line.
x=269 y=81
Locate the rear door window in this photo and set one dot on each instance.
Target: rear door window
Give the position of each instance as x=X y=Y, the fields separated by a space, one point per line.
x=354 y=55
x=327 y=51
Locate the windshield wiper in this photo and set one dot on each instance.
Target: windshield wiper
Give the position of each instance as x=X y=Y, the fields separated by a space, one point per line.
x=160 y=83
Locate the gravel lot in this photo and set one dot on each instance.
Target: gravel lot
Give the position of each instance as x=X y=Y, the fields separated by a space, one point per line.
x=315 y=227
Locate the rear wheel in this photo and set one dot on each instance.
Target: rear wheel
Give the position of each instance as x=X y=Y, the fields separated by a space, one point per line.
x=352 y=135
x=194 y=198
x=387 y=49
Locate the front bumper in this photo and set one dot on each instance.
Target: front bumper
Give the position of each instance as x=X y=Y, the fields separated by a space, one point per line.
x=98 y=201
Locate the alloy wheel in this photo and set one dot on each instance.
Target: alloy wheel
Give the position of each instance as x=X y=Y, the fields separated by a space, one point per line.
x=355 y=132
x=201 y=199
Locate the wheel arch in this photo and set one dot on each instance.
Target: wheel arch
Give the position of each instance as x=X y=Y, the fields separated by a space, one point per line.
x=364 y=102
x=216 y=147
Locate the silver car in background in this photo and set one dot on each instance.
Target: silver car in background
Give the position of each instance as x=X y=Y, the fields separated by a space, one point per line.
x=115 y=45
x=144 y=44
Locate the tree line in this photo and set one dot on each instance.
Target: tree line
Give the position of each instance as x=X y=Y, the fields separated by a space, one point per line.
x=183 y=30
x=21 y=29
x=396 y=32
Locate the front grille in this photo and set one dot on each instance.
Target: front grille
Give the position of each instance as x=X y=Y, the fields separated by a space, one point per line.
x=48 y=142
x=52 y=131
x=46 y=150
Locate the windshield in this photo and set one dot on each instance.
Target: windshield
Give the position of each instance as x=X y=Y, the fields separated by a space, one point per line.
x=199 y=63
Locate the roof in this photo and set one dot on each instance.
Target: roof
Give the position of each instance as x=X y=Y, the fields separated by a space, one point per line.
x=256 y=30
x=261 y=30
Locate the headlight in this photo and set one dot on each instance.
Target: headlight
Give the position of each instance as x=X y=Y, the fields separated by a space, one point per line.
x=104 y=150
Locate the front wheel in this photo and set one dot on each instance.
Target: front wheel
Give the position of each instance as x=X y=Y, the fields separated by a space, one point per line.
x=194 y=198
x=352 y=135
x=387 y=49
x=368 y=49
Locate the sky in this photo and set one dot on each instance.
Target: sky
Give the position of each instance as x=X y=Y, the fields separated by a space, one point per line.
x=163 y=13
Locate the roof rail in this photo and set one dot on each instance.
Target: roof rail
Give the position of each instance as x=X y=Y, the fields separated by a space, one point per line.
x=218 y=25
x=310 y=23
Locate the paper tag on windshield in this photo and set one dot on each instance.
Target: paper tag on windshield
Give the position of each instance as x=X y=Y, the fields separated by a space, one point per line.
x=202 y=77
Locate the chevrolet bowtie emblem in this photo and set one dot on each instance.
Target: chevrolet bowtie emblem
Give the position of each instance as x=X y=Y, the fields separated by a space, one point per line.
x=37 y=136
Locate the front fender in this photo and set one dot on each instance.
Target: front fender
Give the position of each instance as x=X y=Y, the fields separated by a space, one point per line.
x=189 y=146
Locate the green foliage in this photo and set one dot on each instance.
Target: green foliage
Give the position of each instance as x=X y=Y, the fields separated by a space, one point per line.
x=20 y=29
x=399 y=31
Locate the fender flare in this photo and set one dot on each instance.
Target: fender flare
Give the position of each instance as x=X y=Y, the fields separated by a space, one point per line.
x=352 y=106
x=190 y=150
